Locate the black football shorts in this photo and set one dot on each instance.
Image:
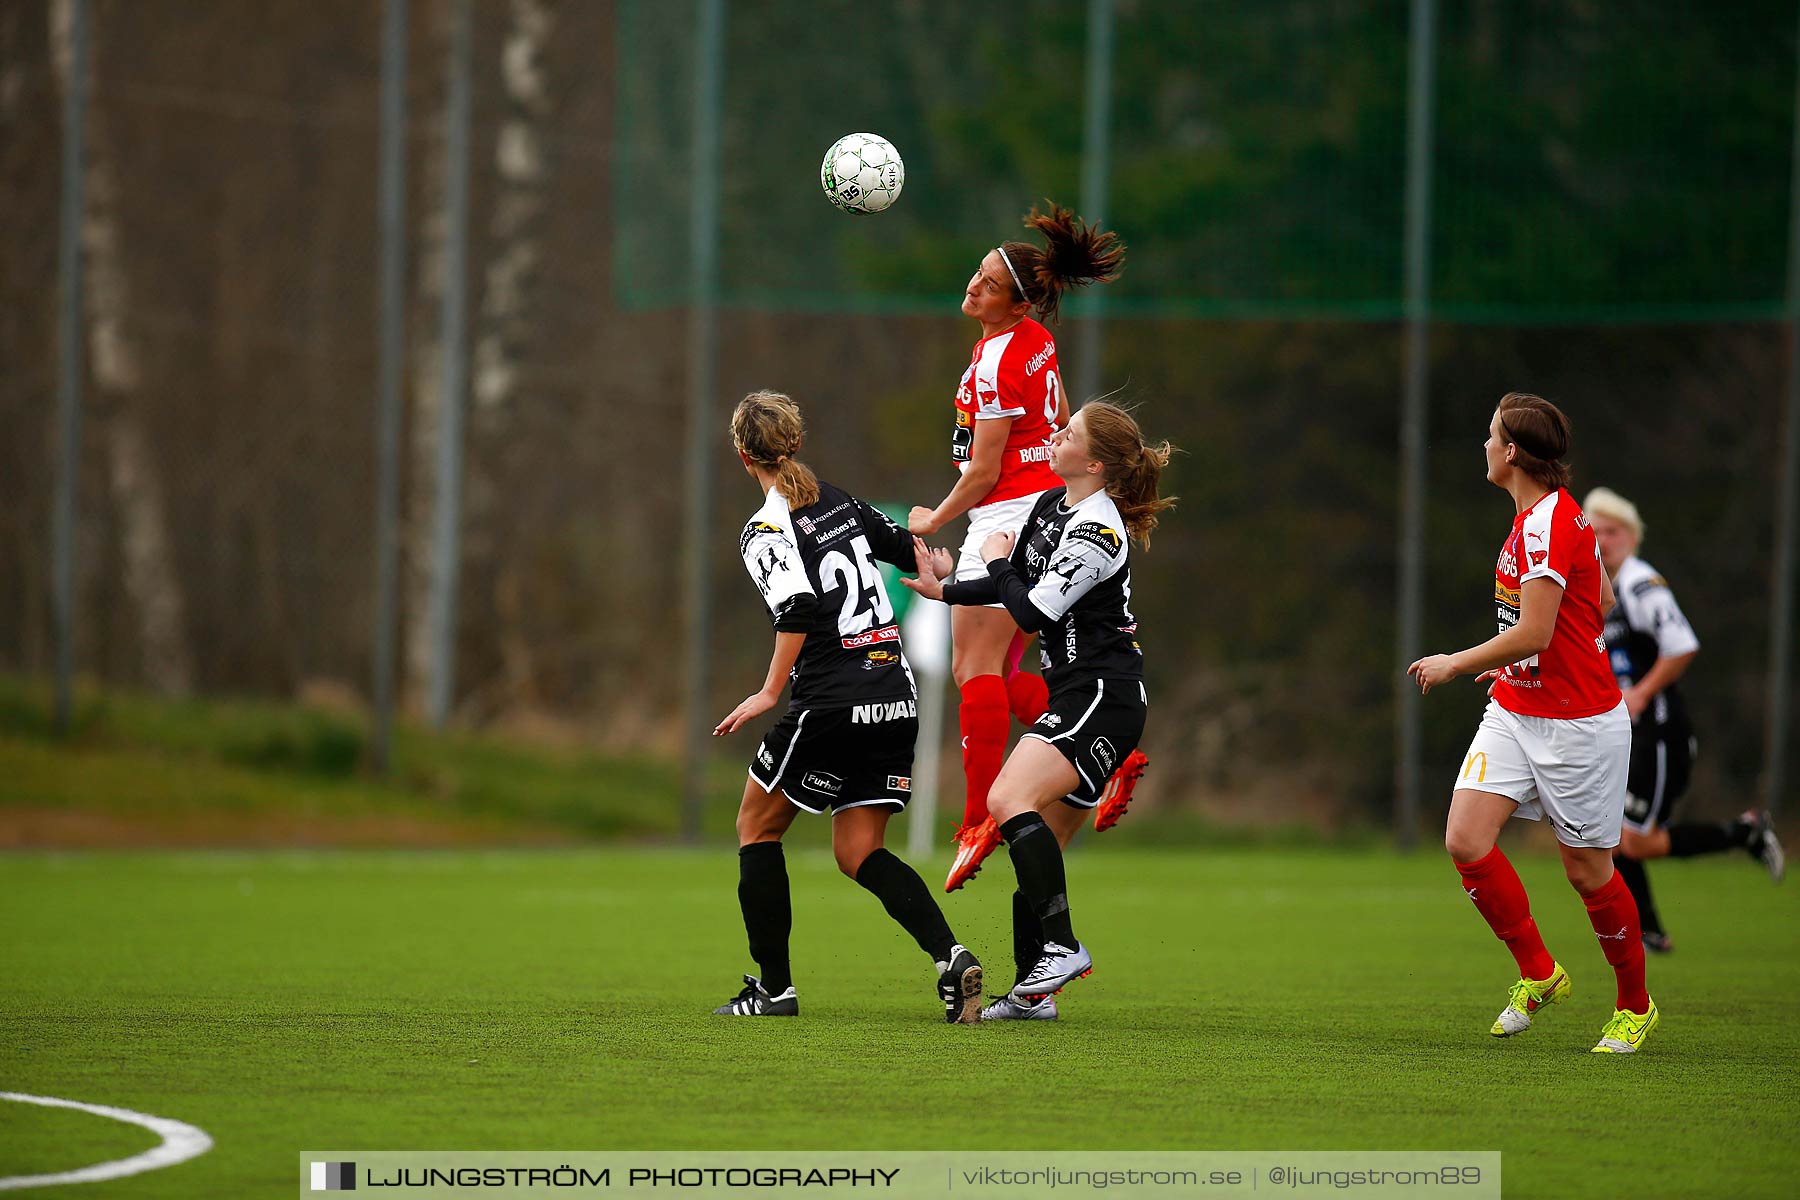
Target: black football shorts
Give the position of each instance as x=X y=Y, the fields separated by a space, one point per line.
x=830 y=759
x=1661 y=762
x=1094 y=725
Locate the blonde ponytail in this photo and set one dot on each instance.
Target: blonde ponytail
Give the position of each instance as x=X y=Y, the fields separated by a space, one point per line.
x=766 y=428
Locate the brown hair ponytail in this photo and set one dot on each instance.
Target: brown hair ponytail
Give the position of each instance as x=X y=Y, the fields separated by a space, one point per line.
x=1075 y=254
x=767 y=429
x=1132 y=467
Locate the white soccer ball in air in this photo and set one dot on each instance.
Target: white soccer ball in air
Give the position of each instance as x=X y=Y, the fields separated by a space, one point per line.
x=862 y=173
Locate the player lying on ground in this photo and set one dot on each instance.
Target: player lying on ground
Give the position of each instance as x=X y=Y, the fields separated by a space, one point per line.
x=1555 y=739
x=845 y=745
x=1008 y=405
x=1068 y=579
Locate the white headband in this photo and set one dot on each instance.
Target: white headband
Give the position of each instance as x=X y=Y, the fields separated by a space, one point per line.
x=1010 y=271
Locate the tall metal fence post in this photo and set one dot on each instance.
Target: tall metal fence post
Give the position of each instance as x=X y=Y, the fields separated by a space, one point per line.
x=392 y=318
x=1421 y=89
x=68 y=389
x=1096 y=167
x=1781 y=591
x=446 y=532
x=703 y=381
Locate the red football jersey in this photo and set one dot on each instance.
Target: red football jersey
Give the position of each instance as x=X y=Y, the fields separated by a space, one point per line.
x=1012 y=374
x=1573 y=676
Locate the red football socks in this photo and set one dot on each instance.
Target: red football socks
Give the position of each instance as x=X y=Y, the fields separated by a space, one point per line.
x=1028 y=696
x=1615 y=919
x=984 y=719
x=1500 y=898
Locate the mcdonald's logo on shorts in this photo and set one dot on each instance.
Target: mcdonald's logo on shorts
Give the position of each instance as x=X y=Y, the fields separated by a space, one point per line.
x=1481 y=776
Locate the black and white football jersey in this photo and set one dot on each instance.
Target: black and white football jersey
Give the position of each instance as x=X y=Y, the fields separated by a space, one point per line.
x=816 y=570
x=1645 y=625
x=1068 y=580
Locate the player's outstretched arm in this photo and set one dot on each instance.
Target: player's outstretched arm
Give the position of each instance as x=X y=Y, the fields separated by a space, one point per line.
x=978 y=478
x=1539 y=600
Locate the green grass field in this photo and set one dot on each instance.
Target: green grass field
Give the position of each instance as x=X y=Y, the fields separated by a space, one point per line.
x=559 y=1000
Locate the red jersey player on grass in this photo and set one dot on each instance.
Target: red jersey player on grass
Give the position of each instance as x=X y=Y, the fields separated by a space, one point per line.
x=1009 y=405
x=1555 y=739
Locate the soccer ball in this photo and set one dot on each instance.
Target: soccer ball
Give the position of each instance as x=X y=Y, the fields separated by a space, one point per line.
x=862 y=173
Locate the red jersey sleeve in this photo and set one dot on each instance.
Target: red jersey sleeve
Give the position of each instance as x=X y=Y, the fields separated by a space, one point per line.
x=1547 y=544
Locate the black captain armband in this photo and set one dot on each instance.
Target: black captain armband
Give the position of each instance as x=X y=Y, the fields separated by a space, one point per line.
x=797 y=613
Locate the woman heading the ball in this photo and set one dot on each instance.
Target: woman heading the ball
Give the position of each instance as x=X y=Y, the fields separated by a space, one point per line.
x=1009 y=404
x=1555 y=740
x=845 y=744
x=1067 y=576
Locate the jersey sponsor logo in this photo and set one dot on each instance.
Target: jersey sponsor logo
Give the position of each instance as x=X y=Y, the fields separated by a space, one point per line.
x=1037 y=361
x=1644 y=587
x=1538 y=557
x=1508 y=565
x=1478 y=758
x=1104 y=754
x=1505 y=595
x=811 y=524
x=823 y=782
x=879 y=658
x=831 y=535
x=1035 y=454
x=900 y=783
x=754 y=530
x=887 y=633
x=1097 y=534
x=875 y=714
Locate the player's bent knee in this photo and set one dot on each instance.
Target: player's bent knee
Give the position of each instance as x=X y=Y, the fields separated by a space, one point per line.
x=1465 y=846
x=1588 y=873
x=1004 y=805
x=851 y=858
x=760 y=823
x=758 y=831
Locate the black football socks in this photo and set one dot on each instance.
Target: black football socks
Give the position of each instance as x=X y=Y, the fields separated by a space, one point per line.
x=768 y=912
x=1038 y=862
x=1706 y=837
x=908 y=901
x=1028 y=937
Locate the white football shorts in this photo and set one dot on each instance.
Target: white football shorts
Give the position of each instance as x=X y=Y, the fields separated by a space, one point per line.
x=1573 y=768
x=1002 y=516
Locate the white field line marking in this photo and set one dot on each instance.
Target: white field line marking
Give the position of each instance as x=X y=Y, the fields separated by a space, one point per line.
x=180 y=1142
